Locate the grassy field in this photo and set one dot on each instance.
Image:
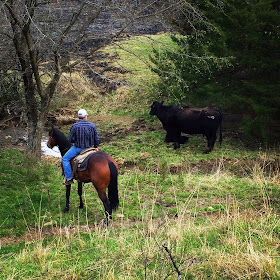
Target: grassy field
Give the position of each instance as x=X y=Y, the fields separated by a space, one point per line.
x=182 y=213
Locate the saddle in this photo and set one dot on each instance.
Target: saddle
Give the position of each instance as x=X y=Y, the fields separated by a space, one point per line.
x=80 y=162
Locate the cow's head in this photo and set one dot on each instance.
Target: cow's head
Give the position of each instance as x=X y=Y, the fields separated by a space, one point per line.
x=155 y=107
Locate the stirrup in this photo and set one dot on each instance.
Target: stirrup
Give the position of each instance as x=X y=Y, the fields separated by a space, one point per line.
x=67 y=182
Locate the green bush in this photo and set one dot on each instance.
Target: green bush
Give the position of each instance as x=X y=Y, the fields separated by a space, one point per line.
x=229 y=59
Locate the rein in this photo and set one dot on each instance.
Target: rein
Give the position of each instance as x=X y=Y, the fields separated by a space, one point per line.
x=64 y=151
x=60 y=140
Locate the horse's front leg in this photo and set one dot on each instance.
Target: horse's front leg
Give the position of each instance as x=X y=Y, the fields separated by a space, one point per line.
x=80 y=193
x=68 y=191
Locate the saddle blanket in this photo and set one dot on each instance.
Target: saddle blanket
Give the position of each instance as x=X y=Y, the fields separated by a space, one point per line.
x=79 y=162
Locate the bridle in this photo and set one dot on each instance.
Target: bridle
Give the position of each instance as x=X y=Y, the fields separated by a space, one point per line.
x=51 y=142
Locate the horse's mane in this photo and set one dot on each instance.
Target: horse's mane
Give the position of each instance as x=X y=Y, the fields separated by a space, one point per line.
x=60 y=138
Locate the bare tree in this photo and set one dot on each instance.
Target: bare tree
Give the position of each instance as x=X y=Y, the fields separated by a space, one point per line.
x=41 y=39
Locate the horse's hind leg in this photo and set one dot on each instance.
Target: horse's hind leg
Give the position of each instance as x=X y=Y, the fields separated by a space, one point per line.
x=80 y=193
x=106 y=203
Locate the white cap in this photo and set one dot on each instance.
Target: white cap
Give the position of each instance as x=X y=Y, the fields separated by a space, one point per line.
x=82 y=113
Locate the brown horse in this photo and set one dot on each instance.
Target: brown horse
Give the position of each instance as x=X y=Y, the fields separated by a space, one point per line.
x=102 y=171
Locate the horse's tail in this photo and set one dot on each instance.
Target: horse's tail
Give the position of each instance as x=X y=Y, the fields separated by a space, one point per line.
x=113 y=194
x=221 y=134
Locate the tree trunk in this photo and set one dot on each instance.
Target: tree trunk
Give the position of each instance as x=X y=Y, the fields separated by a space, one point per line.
x=35 y=133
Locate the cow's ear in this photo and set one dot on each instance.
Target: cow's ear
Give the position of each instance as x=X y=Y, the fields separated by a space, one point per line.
x=161 y=102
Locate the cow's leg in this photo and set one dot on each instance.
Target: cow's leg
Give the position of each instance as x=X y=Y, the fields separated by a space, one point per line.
x=68 y=191
x=172 y=135
x=208 y=150
x=177 y=138
x=211 y=139
x=168 y=138
x=80 y=193
x=207 y=135
x=183 y=139
x=176 y=145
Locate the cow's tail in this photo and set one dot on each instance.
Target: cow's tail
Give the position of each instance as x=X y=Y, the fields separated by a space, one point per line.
x=221 y=134
x=113 y=194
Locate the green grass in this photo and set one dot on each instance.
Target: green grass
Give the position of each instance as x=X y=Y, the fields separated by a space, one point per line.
x=32 y=195
x=216 y=224
x=139 y=49
x=218 y=213
x=132 y=56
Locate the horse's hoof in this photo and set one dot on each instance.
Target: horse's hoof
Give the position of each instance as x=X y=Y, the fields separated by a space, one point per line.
x=81 y=207
x=66 y=210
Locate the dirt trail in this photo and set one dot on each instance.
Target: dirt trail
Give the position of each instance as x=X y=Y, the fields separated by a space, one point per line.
x=49 y=230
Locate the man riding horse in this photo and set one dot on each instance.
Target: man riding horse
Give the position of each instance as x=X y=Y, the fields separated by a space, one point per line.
x=84 y=135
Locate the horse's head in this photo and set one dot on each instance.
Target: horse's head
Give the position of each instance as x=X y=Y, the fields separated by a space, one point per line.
x=51 y=142
x=57 y=138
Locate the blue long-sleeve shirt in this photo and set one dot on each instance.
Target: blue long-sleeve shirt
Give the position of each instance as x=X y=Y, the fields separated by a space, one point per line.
x=84 y=135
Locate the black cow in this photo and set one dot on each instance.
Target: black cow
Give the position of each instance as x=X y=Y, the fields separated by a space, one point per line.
x=176 y=120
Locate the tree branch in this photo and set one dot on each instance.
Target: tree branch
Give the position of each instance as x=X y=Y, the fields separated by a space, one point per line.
x=173 y=262
x=49 y=91
x=74 y=19
x=33 y=60
x=9 y=6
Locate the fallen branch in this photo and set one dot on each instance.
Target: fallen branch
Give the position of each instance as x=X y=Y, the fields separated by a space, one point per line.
x=173 y=262
x=5 y=123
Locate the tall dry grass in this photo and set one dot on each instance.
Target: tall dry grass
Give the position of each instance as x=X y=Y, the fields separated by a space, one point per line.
x=228 y=242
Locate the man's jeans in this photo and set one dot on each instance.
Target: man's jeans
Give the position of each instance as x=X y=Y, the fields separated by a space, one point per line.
x=72 y=152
